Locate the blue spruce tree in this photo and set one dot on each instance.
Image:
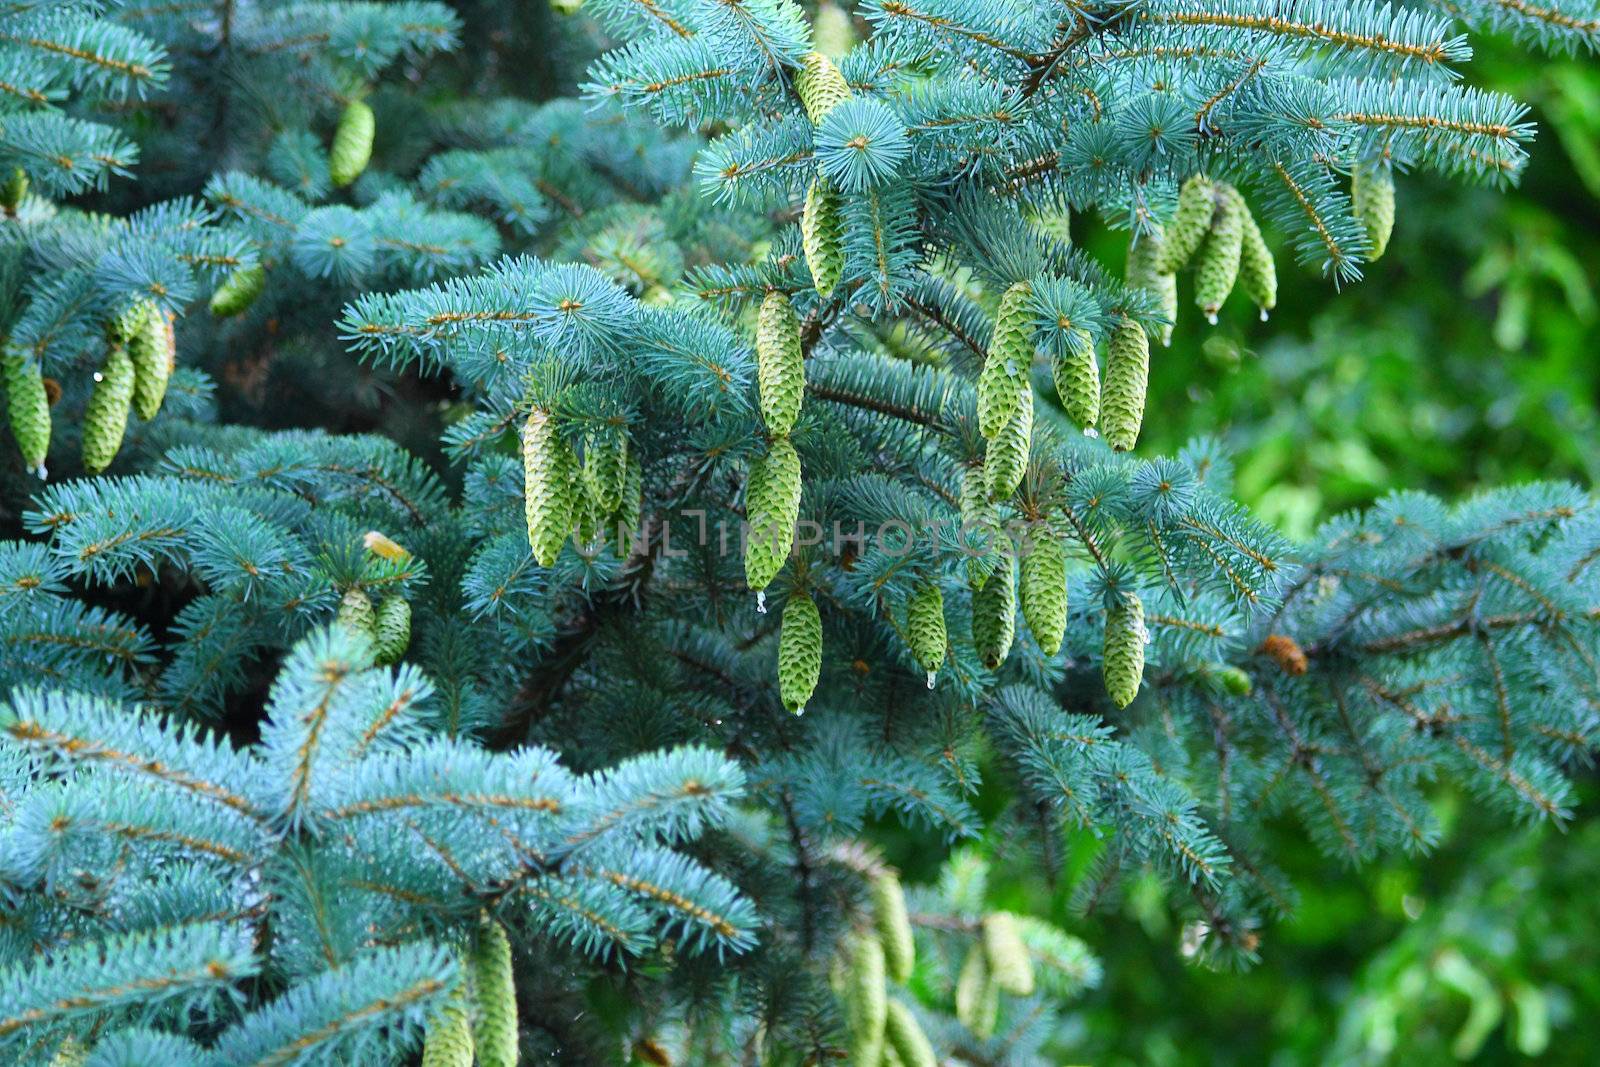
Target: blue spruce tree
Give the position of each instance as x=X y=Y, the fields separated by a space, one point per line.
x=498 y=555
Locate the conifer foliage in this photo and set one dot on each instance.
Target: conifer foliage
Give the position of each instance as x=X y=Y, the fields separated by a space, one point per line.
x=314 y=752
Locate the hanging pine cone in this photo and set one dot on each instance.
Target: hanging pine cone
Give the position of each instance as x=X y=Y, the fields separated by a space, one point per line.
x=925 y=628
x=357 y=615
x=978 y=523
x=1009 y=965
x=605 y=468
x=548 y=499
x=1123 y=395
x=994 y=610
x=1218 y=266
x=1007 y=458
x=352 y=143
x=1196 y=206
x=1141 y=273
x=494 y=1027
x=1005 y=374
x=1077 y=377
x=1123 y=667
x=904 y=1034
x=977 y=997
x=238 y=291
x=1372 y=197
x=866 y=1005
x=449 y=1032
x=623 y=525
x=1258 y=271
x=822 y=235
x=392 y=627
x=105 y=419
x=780 y=365
x=772 y=507
x=13 y=191
x=150 y=349
x=27 y=408
x=820 y=85
x=893 y=926
x=1043 y=589
x=799 y=652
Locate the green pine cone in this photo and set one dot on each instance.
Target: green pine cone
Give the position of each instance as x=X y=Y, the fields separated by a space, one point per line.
x=1009 y=965
x=352 y=143
x=1123 y=668
x=548 y=498
x=978 y=523
x=105 y=419
x=866 y=1003
x=13 y=191
x=799 y=652
x=623 y=524
x=1258 y=271
x=820 y=85
x=1006 y=367
x=494 y=1024
x=1077 y=378
x=822 y=235
x=449 y=1033
x=977 y=997
x=894 y=927
x=27 y=409
x=1372 y=197
x=1189 y=226
x=925 y=628
x=1123 y=394
x=392 y=625
x=238 y=291
x=905 y=1036
x=357 y=615
x=1043 y=588
x=772 y=507
x=780 y=366
x=1007 y=458
x=1218 y=266
x=1141 y=273
x=1235 y=681
x=605 y=468
x=994 y=610
x=150 y=349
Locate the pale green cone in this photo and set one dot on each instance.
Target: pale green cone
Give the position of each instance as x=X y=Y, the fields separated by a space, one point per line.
x=772 y=507
x=1125 y=638
x=994 y=610
x=1043 y=587
x=1372 y=196
x=1006 y=461
x=1077 y=379
x=1009 y=965
x=820 y=85
x=780 y=365
x=547 y=483
x=1218 y=267
x=1122 y=397
x=392 y=627
x=494 y=1026
x=105 y=419
x=1189 y=226
x=799 y=652
x=822 y=235
x=894 y=927
x=352 y=143
x=27 y=409
x=925 y=628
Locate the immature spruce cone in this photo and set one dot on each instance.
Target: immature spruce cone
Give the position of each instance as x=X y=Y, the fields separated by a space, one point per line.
x=925 y=628
x=820 y=85
x=150 y=350
x=1218 y=267
x=1043 y=590
x=105 y=419
x=780 y=365
x=1007 y=458
x=449 y=1032
x=894 y=927
x=1372 y=197
x=1196 y=206
x=799 y=652
x=238 y=291
x=1123 y=666
x=352 y=143
x=27 y=408
x=772 y=507
x=822 y=235
x=392 y=627
x=1122 y=396
x=549 y=500
x=1077 y=376
x=1009 y=964
x=994 y=610
x=494 y=1028
x=1258 y=271
x=1005 y=374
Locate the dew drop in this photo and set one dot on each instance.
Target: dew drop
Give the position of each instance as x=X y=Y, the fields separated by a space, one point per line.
x=801 y=710
x=761 y=602
x=931 y=676
x=99 y=377
x=1264 y=315
x=42 y=473
x=1211 y=317
x=1090 y=431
